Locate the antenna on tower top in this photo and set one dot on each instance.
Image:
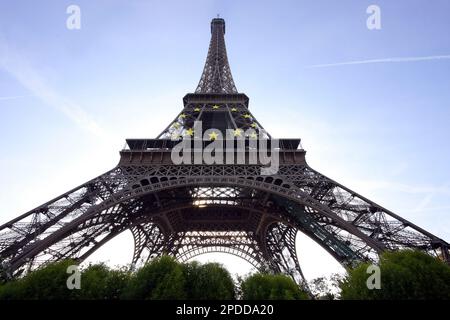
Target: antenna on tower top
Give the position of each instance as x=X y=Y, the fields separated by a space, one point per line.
x=218 y=15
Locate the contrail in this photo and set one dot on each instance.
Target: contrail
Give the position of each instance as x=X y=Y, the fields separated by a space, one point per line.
x=385 y=60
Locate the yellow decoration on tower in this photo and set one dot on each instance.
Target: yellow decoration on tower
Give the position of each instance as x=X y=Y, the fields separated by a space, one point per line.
x=190 y=132
x=237 y=133
x=175 y=136
x=213 y=135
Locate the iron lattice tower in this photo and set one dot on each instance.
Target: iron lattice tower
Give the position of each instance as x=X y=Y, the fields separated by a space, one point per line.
x=187 y=210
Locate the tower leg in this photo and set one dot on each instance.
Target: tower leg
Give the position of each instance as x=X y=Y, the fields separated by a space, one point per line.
x=280 y=247
x=149 y=243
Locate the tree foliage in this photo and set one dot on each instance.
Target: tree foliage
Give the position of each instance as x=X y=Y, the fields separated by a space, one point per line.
x=162 y=278
x=209 y=281
x=326 y=288
x=99 y=282
x=45 y=283
x=404 y=274
x=261 y=286
x=165 y=278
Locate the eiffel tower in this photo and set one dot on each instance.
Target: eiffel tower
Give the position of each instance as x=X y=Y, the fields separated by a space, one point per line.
x=185 y=210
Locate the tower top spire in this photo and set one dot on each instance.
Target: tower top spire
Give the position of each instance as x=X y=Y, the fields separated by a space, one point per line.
x=216 y=76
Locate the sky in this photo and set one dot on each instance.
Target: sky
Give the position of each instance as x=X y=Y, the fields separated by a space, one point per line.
x=371 y=106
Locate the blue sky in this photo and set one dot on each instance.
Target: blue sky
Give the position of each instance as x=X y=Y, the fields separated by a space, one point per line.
x=69 y=98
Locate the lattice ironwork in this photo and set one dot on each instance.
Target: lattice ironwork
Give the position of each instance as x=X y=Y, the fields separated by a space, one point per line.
x=239 y=115
x=187 y=210
x=216 y=76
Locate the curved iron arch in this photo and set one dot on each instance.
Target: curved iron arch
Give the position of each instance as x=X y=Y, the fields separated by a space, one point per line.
x=228 y=250
x=292 y=193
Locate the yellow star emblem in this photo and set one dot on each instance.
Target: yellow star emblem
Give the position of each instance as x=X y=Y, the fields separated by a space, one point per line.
x=182 y=116
x=247 y=116
x=237 y=133
x=175 y=136
x=213 y=135
x=253 y=135
x=215 y=107
x=233 y=110
x=189 y=132
x=253 y=125
x=197 y=110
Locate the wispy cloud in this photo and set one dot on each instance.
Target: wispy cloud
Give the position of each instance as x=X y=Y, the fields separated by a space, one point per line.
x=12 y=98
x=442 y=209
x=384 y=60
x=401 y=187
x=22 y=70
x=424 y=203
x=426 y=193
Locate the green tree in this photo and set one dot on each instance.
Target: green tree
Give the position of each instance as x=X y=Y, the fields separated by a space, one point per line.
x=208 y=281
x=404 y=275
x=46 y=283
x=162 y=278
x=98 y=282
x=261 y=286
x=326 y=288
x=11 y=290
